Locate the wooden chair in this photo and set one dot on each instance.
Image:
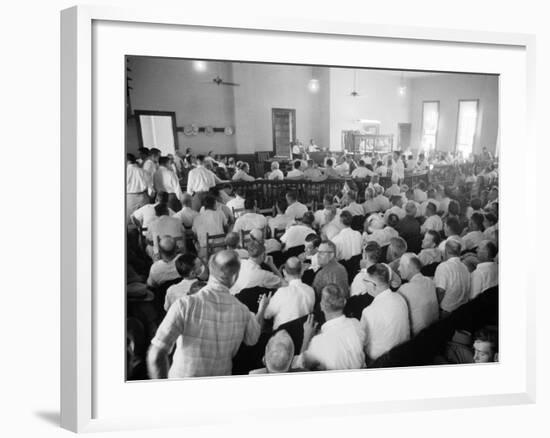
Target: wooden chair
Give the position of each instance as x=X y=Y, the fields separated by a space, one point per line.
x=214 y=241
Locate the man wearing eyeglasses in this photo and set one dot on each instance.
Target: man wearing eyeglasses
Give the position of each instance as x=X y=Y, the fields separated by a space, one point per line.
x=331 y=271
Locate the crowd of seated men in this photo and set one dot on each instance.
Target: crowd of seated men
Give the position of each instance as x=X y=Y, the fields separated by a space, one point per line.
x=215 y=287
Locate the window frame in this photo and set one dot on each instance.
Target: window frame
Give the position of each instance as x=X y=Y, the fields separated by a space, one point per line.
x=458 y=123
x=424 y=102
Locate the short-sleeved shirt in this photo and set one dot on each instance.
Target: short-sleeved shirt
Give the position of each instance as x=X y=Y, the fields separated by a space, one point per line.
x=208 y=329
x=421 y=298
x=385 y=323
x=333 y=272
x=290 y=302
x=484 y=277
x=252 y=275
x=162 y=271
x=348 y=244
x=209 y=221
x=454 y=278
x=176 y=291
x=250 y=221
x=295 y=235
x=296 y=210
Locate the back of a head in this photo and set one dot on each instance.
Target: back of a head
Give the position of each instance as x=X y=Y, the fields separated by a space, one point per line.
x=477 y=219
x=476 y=204
x=255 y=249
x=281 y=204
x=453 y=225
x=224 y=266
x=410 y=209
x=185 y=264
x=186 y=200
x=167 y=245
x=131 y=158
x=279 y=352
x=453 y=248
x=412 y=261
x=257 y=235
x=291 y=196
x=436 y=237
x=162 y=198
x=346 y=218
x=396 y=199
x=329 y=162
x=381 y=272
x=393 y=220
x=293 y=267
x=232 y=240
x=200 y=159
x=164 y=161
x=373 y=252
x=297 y=164
x=308 y=218
x=209 y=202
x=314 y=239
x=333 y=298
x=249 y=203
x=398 y=246
x=161 y=209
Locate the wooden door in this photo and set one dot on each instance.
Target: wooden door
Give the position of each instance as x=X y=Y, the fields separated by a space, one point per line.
x=284 y=130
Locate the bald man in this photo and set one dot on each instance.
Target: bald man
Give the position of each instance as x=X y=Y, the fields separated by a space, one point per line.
x=292 y=301
x=164 y=270
x=207 y=328
x=279 y=353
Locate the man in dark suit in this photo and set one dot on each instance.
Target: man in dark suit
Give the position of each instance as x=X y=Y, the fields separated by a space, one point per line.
x=409 y=228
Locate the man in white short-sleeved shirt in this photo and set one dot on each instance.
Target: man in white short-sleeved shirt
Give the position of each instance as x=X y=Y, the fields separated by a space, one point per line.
x=252 y=275
x=347 y=241
x=164 y=270
x=386 y=320
x=295 y=235
x=186 y=215
x=452 y=279
x=419 y=292
x=295 y=209
x=250 y=220
x=292 y=301
x=209 y=221
x=485 y=275
x=339 y=344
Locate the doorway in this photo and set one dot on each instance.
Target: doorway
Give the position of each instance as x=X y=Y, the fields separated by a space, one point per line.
x=284 y=130
x=404 y=139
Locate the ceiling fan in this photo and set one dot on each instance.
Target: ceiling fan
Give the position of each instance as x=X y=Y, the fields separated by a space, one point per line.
x=219 y=81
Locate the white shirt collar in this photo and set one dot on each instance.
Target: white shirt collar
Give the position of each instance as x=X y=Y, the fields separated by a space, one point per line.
x=332 y=322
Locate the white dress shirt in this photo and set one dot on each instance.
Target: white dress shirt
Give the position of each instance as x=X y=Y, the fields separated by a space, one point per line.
x=150 y=167
x=295 y=235
x=290 y=302
x=484 y=277
x=348 y=244
x=165 y=226
x=279 y=222
x=176 y=291
x=385 y=323
x=186 y=215
x=355 y=209
x=276 y=174
x=162 y=272
x=421 y=299
x=330 y=230
x=200 y=179
x=252 y=275
x=398 y=170
x=241 y=175
x=320 y=216
x=382 y=171
x=362 y=172
x=236 y=203
x=359 y=286
x=395 y=210
x=420 y=195
x=338 y=346
x=146 y=214
x=250 y=221
x=295 y=173
x=208 y=221
x=433 y=222
x=136 y=179
x=166 y=180
x=296 y=210
x=454 y=278
x=472 y=239
x=430 y=255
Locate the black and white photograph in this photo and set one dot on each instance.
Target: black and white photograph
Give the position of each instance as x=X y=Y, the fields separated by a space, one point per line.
x=285 y=218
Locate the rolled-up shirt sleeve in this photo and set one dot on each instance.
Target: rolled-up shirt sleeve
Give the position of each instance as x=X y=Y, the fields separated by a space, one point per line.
x=170 y=328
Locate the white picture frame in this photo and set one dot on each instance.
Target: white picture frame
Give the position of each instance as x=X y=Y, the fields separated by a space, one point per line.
x=92 y=397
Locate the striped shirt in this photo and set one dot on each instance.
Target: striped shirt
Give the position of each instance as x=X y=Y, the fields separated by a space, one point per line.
x=207 y=329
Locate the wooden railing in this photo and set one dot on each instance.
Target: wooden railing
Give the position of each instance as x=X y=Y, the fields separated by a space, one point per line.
x=266 y=192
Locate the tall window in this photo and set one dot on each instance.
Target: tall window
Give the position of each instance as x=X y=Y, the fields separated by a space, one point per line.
x=466 y=127
x=430 y=122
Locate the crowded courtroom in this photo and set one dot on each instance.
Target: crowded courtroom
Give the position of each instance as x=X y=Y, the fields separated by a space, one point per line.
x=292 y=218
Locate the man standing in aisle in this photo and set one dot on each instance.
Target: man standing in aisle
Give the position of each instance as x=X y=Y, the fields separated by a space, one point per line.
x=199 y=181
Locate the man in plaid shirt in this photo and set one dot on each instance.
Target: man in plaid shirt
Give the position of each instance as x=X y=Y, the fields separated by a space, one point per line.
x=207 y=327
